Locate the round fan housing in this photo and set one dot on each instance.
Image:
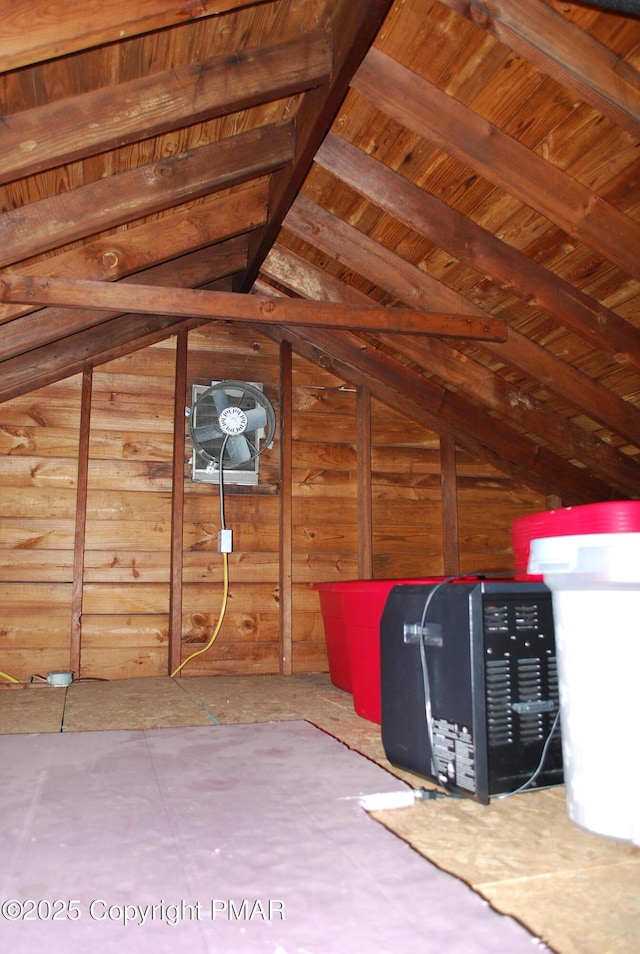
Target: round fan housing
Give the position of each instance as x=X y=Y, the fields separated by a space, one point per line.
x=232 y=423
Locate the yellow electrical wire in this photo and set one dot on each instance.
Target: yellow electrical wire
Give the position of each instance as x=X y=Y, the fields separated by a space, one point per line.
x=5 y=675
x=225 y=594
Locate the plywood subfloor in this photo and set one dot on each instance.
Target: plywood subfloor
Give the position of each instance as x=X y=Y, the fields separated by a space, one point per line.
x=577 y=891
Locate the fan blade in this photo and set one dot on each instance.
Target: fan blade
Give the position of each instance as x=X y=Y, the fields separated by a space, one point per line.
x=206 y=433
x=256 y=418
x=221 y=400
x=238 y=450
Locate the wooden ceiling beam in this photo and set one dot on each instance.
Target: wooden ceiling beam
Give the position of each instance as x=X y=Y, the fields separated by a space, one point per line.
x=109 y=203
x=458 y=131
x=408 y=283
x=481 y=249
x=479 y=384
x=111 y=257
x=66 y=130
x=78 y=24
x=46 y=325
x=562 y=50
x=196 y=303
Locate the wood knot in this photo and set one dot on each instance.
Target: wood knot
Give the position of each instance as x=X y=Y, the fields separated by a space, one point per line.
x=110 y=260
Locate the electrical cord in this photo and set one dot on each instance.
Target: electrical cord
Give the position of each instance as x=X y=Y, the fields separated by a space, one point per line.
x=225 y=586
x=540 y=765
x=431 y=794
x=5 y=675
x=225 y=595
x=426 y=684
x=223 y=525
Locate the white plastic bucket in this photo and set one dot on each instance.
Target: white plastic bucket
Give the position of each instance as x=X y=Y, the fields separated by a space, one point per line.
x=595 y=584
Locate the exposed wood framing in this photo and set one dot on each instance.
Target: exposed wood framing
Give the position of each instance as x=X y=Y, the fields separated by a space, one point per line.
x=561 y=49
x=67 y=217
x=594 y=401
x=355 y=29
x=75 y=653
x=436 y=201
x=423 y=400
x=79 y=24
x=177 y=506
x=66 y=130
x=196 y=303
x=285 y=514
x=459 y=131
x=479 y=248
x=365 y=516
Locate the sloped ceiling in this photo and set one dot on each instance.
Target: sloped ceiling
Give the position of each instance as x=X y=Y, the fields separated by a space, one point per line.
x=438 y=199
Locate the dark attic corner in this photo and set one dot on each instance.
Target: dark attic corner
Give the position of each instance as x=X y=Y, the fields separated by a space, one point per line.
x=319 y=475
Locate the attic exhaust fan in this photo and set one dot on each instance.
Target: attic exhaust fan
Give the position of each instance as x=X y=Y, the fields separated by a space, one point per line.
x=230 y=425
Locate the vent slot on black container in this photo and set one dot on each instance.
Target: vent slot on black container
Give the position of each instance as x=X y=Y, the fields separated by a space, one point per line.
x=499 y=702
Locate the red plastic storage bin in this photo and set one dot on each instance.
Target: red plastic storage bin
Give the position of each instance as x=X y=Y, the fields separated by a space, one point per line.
x=351 y=613
x=335 y=632
x=611 y=516
x=364 y=602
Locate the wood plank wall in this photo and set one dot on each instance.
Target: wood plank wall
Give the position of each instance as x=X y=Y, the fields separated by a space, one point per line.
x=488 y=502
x=125 y=593
x=325 y=502
x=407 y=497
x=38 y=477
x=121 y=605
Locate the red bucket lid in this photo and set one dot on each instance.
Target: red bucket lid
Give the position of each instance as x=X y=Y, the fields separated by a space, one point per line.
x=611 y=516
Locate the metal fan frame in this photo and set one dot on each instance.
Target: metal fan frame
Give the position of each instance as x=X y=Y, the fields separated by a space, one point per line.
x=205 y=465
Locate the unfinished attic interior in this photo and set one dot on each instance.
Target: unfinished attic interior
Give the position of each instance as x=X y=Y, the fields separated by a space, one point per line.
x=414 y=228
x=415 y=225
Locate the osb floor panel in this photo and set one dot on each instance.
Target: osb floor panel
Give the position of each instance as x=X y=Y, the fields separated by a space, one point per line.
x=580 y=893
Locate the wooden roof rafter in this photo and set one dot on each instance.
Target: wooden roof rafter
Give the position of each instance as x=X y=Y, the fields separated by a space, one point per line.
x=564 y=51
x=524 y=174
x=406 y=282
x=435 y=407
x=442 y=157
x=481 y=387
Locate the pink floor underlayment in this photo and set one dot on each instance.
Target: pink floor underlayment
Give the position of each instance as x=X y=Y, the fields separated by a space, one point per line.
x=243 y=838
